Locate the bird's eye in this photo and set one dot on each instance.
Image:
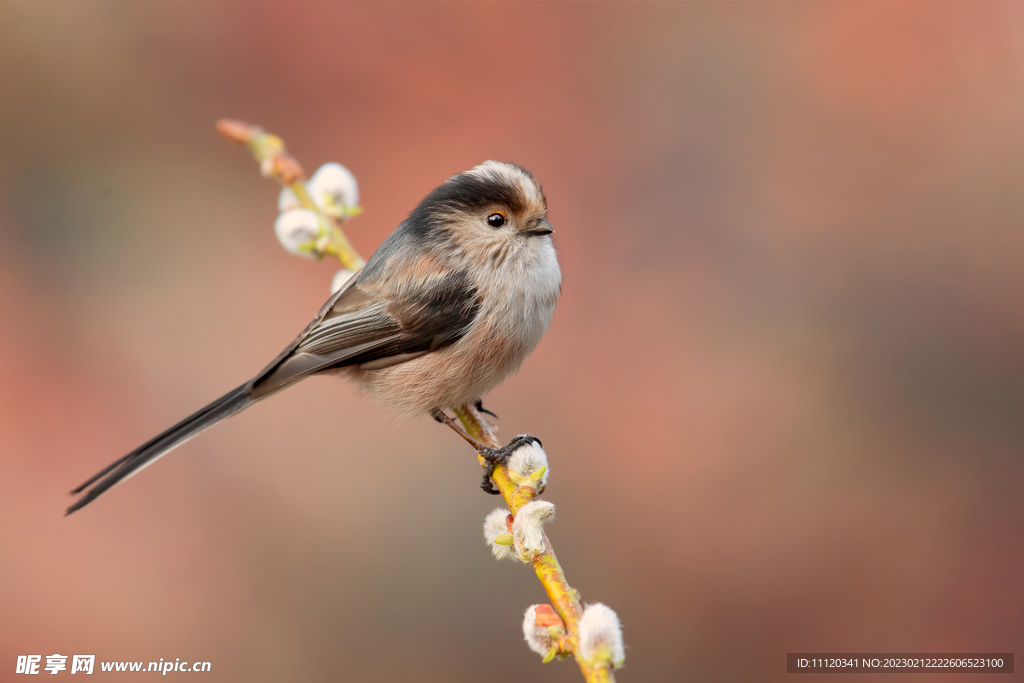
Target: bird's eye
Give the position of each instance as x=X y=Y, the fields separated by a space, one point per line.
x=496 y=219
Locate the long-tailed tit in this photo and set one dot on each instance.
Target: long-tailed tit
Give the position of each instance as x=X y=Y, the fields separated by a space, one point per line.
x=447 y=307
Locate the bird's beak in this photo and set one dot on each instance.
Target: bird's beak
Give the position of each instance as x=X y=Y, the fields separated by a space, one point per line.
x=541 y=228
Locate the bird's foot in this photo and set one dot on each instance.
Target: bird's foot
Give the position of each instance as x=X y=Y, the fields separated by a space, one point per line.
x=492 y=456
x=499 y=456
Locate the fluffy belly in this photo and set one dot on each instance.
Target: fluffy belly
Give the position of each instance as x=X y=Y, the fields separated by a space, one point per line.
x=493 y=348
x=452 y=376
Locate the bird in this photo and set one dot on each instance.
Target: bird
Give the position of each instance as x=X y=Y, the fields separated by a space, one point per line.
x=447 y=307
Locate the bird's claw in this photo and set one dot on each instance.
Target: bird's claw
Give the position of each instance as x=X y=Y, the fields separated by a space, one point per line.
x=499 y=456
x=479 y=405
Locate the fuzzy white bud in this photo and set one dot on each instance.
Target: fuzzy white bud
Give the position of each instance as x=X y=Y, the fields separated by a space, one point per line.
x=298 y=231
x=528 y=466
x=600 y=635
x=340 y=278
x=286 y=200
x=495 y=527
x=333 y=188
x=528 y=528
x=541 y=629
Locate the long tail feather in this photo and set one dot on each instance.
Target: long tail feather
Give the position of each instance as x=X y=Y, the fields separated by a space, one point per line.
x=146 y=454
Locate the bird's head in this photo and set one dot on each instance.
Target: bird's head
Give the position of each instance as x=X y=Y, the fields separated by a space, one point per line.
x=492 y=212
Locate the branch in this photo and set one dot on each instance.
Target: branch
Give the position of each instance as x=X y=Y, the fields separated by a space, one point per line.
x=564 y=597
x=276 y=163
x=593 y=635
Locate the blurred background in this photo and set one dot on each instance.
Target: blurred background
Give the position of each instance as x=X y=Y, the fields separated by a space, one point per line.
x=782 y=394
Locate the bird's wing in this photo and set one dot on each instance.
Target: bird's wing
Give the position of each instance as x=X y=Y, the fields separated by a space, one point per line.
x=360 y=325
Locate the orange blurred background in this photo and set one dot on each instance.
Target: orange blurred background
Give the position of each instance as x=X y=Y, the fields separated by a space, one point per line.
x=783 y=394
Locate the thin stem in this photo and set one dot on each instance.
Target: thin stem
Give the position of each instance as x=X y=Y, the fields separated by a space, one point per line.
x=276 y=163
x=564 y=598
x=338 y=245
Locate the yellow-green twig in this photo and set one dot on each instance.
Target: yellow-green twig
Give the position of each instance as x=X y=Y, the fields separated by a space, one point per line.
x=276 y=163
x=564 y=598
